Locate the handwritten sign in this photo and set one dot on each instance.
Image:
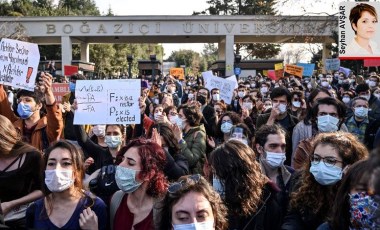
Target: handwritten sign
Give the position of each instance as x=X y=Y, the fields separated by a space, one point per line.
x=294 y=70
x=19 y=63
x=108 y=101
x=59 y=90
x=177 y=72
x=278 y=66
x=308 y=69
x=346 y=71
x=225 y=86
x=332 y=64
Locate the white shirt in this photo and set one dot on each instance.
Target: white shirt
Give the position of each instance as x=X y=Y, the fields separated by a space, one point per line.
x=355 y=50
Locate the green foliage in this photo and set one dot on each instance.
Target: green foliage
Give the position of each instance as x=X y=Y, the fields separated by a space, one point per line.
x=209 y=56
x=189 y=58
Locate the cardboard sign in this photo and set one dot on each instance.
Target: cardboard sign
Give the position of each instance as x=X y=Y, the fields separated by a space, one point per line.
x=265 y=73
x=332 y=64
x=348 y=45
x=294 y=70
x=225 y=86
x=278 y=66
x=308 y=69
x=19 y=63
x=279 y=74
x=108 y=101
x=178 y=72
x=69 y=70
x=59 y=90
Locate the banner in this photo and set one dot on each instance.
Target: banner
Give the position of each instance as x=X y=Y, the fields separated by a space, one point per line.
x=178 y=72
x=294 y=70
x=19 y=63
x=59 y=90
x=69 y=70
x=225 y=86
x=371 y=62
x=332 y=64
x=278 y=66
x=308 y=68
x=347 y=36
x=272 y=74
x=107 y=101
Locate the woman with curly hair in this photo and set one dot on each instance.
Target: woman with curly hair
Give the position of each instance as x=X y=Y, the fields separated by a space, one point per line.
x=141 y=179
x=246 y=191
x=191 y=203
x=332 y=154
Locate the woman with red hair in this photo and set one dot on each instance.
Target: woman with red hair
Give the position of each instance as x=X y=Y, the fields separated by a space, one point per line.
x=141 y=180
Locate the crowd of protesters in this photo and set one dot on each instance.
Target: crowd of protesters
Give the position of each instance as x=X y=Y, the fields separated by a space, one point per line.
x=293 y=153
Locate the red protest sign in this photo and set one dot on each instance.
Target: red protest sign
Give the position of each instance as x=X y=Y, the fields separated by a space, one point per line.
x=70 y=70
x=60 y=89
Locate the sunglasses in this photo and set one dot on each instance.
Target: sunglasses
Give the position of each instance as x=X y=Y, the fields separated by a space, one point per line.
x=182 y=184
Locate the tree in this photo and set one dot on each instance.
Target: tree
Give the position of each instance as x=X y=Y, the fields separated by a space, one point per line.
x=189 y=58
x=209 y=56
x=246 y=7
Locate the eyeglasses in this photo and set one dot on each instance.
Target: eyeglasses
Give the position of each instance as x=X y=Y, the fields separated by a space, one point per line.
x=315 y=159
x=176 y=186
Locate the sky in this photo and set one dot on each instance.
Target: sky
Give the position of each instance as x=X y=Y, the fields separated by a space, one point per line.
x=187 y=7
x=160 y=7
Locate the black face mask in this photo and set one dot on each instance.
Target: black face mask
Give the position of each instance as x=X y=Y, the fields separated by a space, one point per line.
x=201 y=99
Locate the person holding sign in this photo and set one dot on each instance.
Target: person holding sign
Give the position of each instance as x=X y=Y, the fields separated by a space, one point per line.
x=363 y=19
x=36 y=129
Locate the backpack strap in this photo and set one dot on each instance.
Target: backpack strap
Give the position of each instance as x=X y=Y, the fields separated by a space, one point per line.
x=114 y=205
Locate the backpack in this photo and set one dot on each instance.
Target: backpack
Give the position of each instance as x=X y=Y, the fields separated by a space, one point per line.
x=104 y=185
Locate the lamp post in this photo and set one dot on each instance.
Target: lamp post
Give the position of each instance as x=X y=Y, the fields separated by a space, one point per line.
x=237 y=69
x=153 y=60
x=129 y=60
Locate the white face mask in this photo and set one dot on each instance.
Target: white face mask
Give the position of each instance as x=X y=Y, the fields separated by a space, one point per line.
x=324 y=84
x=206 y=225
x=216 y=97
x=241 y=94
x=264 y=90
x=99 y=130
x=346 y=99
x=58 y=180
x=309 y=86
x=296 y=104
x=248 y=105
x=372 y=83
x=190 y=95
x=282 y=108
x=156 y=115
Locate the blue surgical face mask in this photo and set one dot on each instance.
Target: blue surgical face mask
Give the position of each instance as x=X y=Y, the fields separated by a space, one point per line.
x=126 y=179
x=72 y=87
x=325 y=173
x=217 y=185
x=112 y=141
x=361 y=112
x=226 y=127
x=206 y=225
x=327 y=124
x=275 y=160
x=24 y=110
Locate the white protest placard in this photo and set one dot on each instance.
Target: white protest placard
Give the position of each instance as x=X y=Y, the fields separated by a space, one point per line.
x=107 y=101
x=19 y=63
x=207 y=75
x=332 y=64
x=225 y=86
